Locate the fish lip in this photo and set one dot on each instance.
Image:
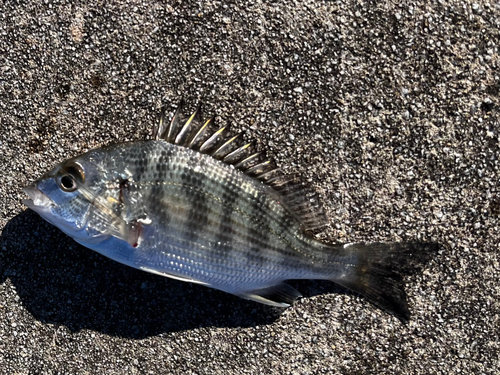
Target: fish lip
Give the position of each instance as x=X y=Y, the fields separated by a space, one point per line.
x=37 y=198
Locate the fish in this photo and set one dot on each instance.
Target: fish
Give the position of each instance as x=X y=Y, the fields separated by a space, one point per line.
x=197 y=203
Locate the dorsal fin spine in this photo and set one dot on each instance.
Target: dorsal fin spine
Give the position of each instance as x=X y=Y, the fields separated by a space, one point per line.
x=236 y=155
x=180 y=139
x=199 y=134
x=210 y=142
x=170 y=136
x=158 y=129
x=255 y=169
x=223 y=150
x=243 y=163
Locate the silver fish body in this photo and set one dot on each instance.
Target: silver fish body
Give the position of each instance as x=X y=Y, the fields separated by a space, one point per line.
x=175 y=211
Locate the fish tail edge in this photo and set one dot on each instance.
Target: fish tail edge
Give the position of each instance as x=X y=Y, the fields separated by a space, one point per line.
x=379 y=270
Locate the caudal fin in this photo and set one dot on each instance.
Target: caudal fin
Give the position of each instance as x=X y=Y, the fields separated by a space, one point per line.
x=379 y=270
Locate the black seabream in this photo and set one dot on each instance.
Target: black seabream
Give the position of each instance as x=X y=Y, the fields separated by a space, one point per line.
x=199 y=205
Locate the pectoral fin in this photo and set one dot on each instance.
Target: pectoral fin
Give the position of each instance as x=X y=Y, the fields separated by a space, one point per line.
x=281 y=295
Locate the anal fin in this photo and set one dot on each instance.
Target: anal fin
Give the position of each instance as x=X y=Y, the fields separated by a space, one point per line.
x=280 y=295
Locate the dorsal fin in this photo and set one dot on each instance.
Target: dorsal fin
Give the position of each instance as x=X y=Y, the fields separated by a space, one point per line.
x=194 y=133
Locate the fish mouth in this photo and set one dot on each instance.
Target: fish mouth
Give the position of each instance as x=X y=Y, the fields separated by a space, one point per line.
x=44 y=206
x=37 y=198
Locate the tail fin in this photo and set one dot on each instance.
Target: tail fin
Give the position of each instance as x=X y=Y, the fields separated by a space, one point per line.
x=379 y=270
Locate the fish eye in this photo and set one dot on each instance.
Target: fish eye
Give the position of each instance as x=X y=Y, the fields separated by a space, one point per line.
x=68 y=176
x=67 y=183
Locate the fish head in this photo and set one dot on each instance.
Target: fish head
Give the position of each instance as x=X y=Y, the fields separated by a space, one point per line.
x=70 y=196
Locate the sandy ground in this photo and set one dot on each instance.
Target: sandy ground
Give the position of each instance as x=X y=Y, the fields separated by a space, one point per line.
x=391 y=111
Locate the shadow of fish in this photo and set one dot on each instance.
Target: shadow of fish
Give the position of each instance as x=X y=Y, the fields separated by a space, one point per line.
x=201 y=206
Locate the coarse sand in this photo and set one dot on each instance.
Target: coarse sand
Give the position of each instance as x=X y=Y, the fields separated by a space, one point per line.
x=389 y=109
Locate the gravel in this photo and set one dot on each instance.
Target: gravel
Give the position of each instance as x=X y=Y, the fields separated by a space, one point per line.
x=390 y=110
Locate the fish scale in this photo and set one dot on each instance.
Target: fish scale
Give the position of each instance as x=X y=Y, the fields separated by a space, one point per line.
x=194 y=205
x=236 y=205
